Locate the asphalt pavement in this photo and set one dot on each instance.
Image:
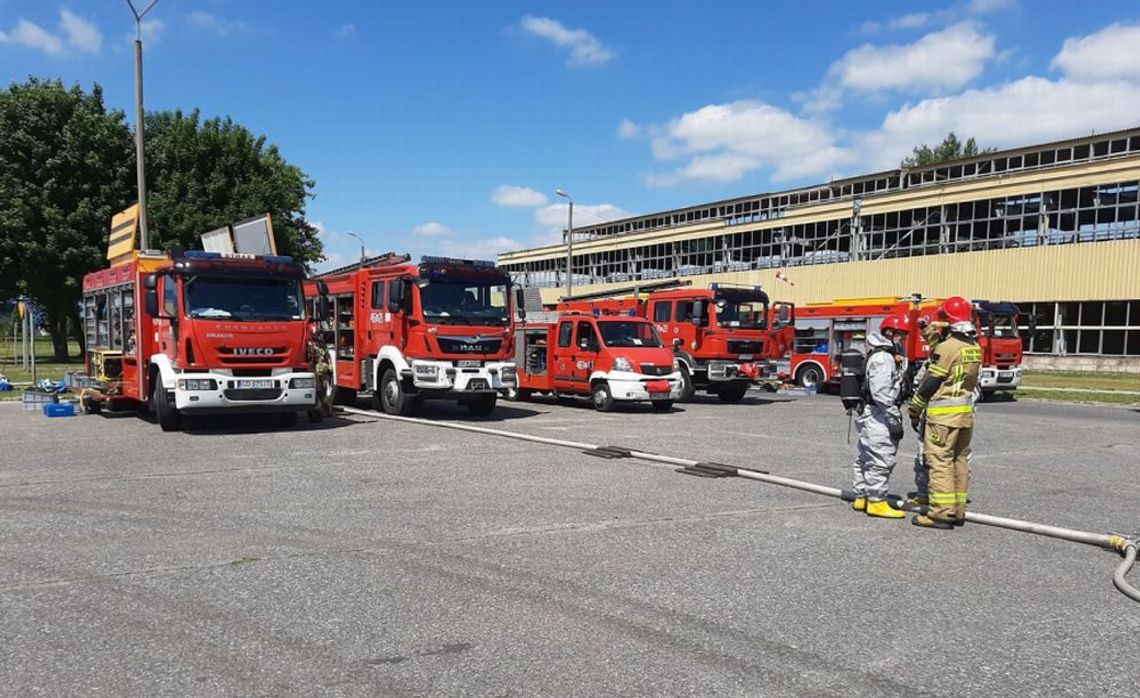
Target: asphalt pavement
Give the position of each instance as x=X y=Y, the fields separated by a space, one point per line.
x=369 y=557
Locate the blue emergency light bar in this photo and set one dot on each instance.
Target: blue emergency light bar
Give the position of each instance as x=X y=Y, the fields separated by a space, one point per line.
x=718 y=286
x=429 y=259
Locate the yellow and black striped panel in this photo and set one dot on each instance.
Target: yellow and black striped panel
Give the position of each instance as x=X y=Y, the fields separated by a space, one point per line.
x=124 y=230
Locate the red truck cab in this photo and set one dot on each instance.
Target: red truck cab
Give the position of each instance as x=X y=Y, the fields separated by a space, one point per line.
x=610 y=358
x=1000 y=339
x=408 y=332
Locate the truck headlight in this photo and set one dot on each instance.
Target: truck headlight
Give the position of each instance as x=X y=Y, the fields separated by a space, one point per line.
x=197 y=384
x=676 y=365
x=305 y=382
x=509 y=375
x=427 y=372
x=622 y=364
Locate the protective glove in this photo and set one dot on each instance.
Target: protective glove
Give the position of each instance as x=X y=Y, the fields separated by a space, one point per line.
x=895 y=428
x=914 y=420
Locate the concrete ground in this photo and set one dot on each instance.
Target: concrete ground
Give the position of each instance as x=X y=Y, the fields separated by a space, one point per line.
x=361 y=557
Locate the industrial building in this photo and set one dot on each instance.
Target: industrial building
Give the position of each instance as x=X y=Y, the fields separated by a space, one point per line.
x=1053 y=227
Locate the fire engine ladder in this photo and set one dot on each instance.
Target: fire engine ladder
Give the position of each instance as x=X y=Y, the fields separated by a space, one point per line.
x=629 y=290
x=383 y=260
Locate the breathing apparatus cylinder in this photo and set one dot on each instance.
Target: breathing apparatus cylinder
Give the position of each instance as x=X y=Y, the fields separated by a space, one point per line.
x=851 y=375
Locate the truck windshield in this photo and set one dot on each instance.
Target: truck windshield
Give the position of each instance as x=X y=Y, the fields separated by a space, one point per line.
x=460 y=303
x=1001 y=326
x=746 y=314
x=616 y=333
x=242 y=299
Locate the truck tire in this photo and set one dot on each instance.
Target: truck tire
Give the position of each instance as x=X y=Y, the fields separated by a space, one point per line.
x=809 y=375
x=483 y=406
x=733 y=393
x=688 y=390
x=393 y=398
x=287 y=419
x=663 y=405
x=169 y=418
x=601 y=397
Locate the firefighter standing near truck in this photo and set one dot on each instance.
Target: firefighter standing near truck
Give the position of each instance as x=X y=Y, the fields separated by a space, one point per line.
x=946 y=397
x=880 y=420
x=931 y=328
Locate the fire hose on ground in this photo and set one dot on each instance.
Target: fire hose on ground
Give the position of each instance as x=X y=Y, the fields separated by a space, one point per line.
x=1110 y=541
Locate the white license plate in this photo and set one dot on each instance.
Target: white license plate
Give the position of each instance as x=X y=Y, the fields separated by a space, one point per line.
x=469 y=363
x=745 y=357
x=255 y=384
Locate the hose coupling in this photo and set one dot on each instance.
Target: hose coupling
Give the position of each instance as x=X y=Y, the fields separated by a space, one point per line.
x=1121 y=543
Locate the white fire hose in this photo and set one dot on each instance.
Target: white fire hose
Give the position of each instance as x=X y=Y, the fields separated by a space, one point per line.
x=1110 y=541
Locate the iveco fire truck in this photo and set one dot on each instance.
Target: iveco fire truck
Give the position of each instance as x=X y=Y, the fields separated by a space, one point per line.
x=724 y=337
x=1000 y=339
x=195 y=333
x=408 y=332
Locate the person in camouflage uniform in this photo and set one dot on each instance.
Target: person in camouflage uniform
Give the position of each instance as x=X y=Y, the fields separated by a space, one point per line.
x=317 y=355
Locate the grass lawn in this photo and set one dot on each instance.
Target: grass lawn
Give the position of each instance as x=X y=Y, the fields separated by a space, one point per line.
x=1081 y=380
x=46 y=366
x=1078 y=396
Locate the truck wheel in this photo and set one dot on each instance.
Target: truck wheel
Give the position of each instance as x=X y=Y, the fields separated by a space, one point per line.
x=169 y=418
x=688 y=390
x=344 y=396
x=393 y=398
x=602 y=398
x=809 y=376
x=484 y=406
x=733 y=393
x=663 y=405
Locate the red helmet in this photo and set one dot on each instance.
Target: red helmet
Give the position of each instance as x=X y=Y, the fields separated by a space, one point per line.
x=957 y=309
x=897 y=322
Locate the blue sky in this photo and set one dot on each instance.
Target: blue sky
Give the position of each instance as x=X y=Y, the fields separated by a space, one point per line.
x=437 y=127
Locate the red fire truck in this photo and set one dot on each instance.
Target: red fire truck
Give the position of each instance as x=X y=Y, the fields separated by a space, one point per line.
x=407 y=332
x=194 y=334
x=823 y=330
x=609 y=356
x=724 y=337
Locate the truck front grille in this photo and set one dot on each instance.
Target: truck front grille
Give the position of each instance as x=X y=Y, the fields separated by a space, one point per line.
x=252 y=393
x=740 y=346
x=651 y=370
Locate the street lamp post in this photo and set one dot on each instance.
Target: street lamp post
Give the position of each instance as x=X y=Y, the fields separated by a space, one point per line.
x=569 y=243
x=141 y=167
x=361 y=245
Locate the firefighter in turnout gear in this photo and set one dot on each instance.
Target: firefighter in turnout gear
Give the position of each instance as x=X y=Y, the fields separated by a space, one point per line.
x=946 y=397
x=879 y=422
x=931 y=329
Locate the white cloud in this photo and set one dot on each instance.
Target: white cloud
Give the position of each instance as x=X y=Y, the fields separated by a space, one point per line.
x=346 y=31
x=75 y=35
x=628 y=129
x=942 y=60
x=723 y=141
x=152 y=30
x=486 y=248
x=509 y=195
x=1029 y=110
x=1112 y=52
x=431 y=228
x=553 y=217
x=981 y=7
x=914 y=20
x=585 y=48
x=218 y=25
x=81 y=34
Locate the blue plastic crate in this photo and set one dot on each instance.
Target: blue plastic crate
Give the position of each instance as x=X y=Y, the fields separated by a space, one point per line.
x=66 y=409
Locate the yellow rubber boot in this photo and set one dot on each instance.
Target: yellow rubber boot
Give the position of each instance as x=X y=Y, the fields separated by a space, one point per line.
x=860 y=504
x=884 y=510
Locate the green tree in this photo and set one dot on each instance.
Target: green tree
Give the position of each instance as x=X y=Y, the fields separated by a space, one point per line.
x=202 y=175
x=65 y=167
x=949 y=149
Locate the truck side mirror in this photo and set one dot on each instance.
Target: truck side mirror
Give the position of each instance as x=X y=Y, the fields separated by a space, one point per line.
x=324 y=311
x=150 y=281
x=396 y=290
x=150 y=299
x=520 y=303
x=785 y=315
x=677 y=342
x=322 y=288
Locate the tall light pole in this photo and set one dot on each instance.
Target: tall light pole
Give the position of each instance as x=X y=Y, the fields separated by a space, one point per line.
x=569 y=243
x=141 y=167
x=361 y=245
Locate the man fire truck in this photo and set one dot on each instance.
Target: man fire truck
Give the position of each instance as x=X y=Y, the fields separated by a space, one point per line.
x=608 y=355
x=407 y=332
x=824 y=330
x=723 y=337
x=195 y=333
